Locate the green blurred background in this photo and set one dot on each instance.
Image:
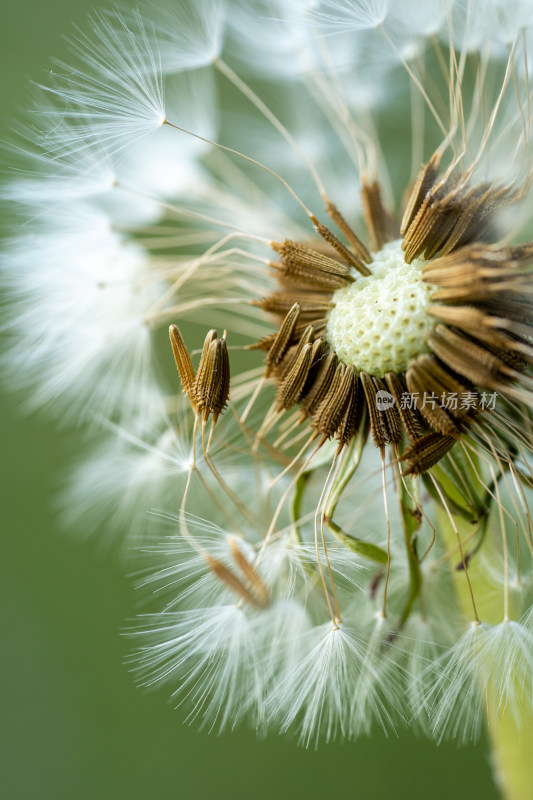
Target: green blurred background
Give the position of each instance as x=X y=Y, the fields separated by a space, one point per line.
x=73 y=725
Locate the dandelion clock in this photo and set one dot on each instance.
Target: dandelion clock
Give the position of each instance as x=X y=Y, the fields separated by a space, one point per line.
x=275 y=258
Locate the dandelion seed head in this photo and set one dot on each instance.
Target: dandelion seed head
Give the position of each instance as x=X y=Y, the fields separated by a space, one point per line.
x=319 y=221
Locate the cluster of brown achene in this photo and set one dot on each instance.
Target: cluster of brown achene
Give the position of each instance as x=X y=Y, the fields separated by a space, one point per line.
x=481 y=339
x=208 y=389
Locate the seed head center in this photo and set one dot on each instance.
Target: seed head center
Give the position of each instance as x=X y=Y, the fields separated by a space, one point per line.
x=380 y=322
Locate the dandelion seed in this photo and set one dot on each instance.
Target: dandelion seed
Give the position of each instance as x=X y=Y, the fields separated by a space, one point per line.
x=187 y=36
x=486 y=662
x=115 y=94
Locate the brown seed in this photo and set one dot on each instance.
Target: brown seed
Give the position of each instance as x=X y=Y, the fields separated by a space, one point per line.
x=353 y=412
x=183 y=362
x=328 y=414
x=409 y=414
x=232 y=581
x=249 y=572
x=321 y=384
x=429 y=220
x=302 y=275
x=422 y=380
x=294 y=351
x=451 y=216
x=304 y=265
x=360 y=250
x=205 y=386
x=212 y=379
x=379 y=223
x=425 y=180
x=385 y=423
x=341 y=248
x=471 y=222
x=221 y=395
x=291 y=386
x=484 y=327
x=460 y=354
x=294 y=254
x=426 y=452
x=312 y=305
x=317 y=354
x=282 y=339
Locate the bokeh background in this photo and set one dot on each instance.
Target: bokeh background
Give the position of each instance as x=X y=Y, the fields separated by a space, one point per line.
x=73 y=725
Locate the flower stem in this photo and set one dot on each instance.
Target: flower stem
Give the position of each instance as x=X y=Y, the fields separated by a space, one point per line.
x=512 y=749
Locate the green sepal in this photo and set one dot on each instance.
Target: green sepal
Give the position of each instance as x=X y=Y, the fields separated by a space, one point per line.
x=350 y=460
x=364 y=549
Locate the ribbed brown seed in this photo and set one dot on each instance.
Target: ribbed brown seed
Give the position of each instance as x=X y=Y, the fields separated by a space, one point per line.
x=479 y=292
x=410 y=417
x=183 y=362
x=303 y=264
x=311 y=277
x=478 y=324
x=294 y=351
x=471 y=222
x=294 y=253
x=425 y=180
x=222 y=386
x=386 y=425
x=211 y=336
x=472 y=280
x=359 y=248
x=317 y=353
x=352 y=415
x=426 y=452
x=507 y=356
x=485 y=260
x=427 y=223
x=283 y=339
x=454 y=218
x=517 y=309
x=311 y=305
x=341 y=248
x=439 y=377
x=459 y=275
x=319 y=326
x=377 y=422
x=450 y=217
x=230 y=579
x=321 y=384
x=392 y=417
x=463 y=356
x=249 y=572
x=467 y=274
x=300 y=377
x=378 y=220
x=421 y=379
x=206 y=387
x=292 y=385
x=329 y=413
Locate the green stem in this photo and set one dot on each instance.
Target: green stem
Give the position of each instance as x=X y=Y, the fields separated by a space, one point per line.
x=408 y=494
x=512 y=751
